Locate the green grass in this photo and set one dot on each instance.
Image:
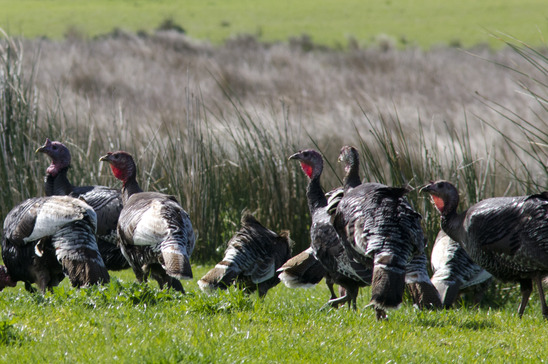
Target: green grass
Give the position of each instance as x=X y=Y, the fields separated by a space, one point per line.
x=128 y=322
x=424 y=23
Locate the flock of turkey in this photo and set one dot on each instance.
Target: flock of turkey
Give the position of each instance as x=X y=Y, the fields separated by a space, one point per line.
x=362 y=234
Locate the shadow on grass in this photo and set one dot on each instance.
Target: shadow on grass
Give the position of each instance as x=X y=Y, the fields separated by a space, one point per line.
x=456 y=320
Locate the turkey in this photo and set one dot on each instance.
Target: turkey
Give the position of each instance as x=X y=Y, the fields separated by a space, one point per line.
x=251 y=258
x=5 y=278
x=303 y=271
x=380 y=229
x=46 y=238
x=453 y=269
x=507 y=236
x=423 y=292
x=156 y=234
x=106 y=202
x=326 y=245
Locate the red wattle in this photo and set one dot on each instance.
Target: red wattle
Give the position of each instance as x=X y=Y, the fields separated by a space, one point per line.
x=118 y=173
x=307 y=169
x=438 y=201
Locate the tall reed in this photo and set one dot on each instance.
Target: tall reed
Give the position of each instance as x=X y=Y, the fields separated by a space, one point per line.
x=217 y=165
x=19 y=115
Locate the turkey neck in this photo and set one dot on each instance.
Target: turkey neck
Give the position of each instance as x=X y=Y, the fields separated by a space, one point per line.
x=352 y=177
x=315 y=195
x=59 y=184
x=129 y=188
x=452 y=224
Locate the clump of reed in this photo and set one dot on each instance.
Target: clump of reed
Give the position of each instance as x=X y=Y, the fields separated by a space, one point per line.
x=218 y=162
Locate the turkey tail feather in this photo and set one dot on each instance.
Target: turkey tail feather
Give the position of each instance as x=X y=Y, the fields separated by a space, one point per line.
x=76 y=250
x=387 y=284
x=221 y=276
x=176 y=261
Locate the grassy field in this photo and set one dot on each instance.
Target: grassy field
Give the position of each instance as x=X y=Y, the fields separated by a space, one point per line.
x=125 y=322
x=424 y=23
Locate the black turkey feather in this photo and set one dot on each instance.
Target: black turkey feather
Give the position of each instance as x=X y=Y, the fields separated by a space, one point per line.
x=326 y=245
x=107 y=202
x=156 y=234
x=46 y=238
x=250 y=260
x=302 y=271
x=453 y=269
x=422 y=291
x=507 y=236
x=382 y=230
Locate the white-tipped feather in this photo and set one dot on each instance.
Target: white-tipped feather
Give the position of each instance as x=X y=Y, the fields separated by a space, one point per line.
x=58 y=211
x=291 y=281
x=152 y=227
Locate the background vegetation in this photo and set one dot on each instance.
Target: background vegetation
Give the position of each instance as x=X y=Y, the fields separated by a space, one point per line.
x=214 y=125
x=425 y=23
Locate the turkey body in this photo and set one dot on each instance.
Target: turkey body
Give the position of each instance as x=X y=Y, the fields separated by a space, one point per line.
x=156 y=235
x=381 y=230
x=507 y=236
x=250 y=260
x=46 y=238
x=107 y=202
x=157 y=238
x=423 y=292
x=341 y=268
x=453 y=269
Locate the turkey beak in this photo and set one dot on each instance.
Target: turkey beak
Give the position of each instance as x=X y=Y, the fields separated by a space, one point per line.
x=43 y=148
x=428 y=188
x=295 y=156
x=105 y=158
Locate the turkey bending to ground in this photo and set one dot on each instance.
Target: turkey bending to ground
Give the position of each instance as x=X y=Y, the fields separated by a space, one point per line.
x=453 y=269
x=46 y=238
x=251 y=258
x=423 y=292
x=156 y=234
x=507 y=236
x=107 y=202
x=326 y=245
x=5 y=278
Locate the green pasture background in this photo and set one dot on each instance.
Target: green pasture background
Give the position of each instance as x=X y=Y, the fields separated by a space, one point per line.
x=422 y=22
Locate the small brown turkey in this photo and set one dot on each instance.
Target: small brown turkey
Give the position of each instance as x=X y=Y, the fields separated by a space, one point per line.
x=156 y=234
x=453 y=269
x=251 y=258
x=107 y=202
x=46 y=238
x=507 y=236
x=327 y=248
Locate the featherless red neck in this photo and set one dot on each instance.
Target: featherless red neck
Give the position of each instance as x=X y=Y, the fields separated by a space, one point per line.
x=122 y=165
x=307 y=169
x=120 y=174
x=438 y=201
